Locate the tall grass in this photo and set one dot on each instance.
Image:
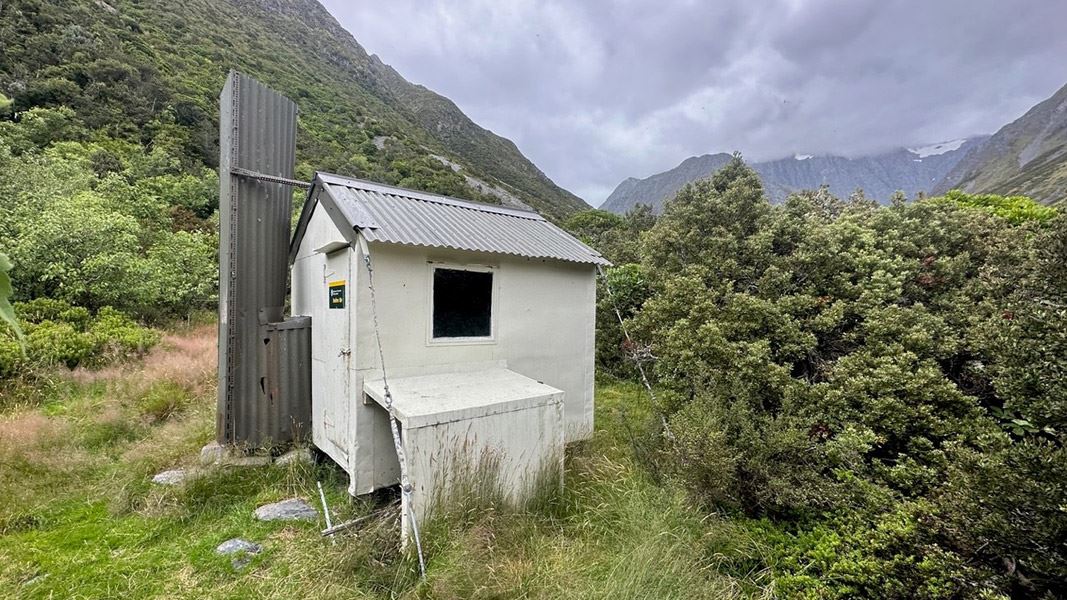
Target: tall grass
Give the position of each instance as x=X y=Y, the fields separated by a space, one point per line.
x=80 y=518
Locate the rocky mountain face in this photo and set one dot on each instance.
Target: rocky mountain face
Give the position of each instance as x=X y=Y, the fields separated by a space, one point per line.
x=1027 y=156
x=494 y=165
x=655 y=189
x=911 y=170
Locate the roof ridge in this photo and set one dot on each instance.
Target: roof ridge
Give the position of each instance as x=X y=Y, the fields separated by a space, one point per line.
x=392 y=190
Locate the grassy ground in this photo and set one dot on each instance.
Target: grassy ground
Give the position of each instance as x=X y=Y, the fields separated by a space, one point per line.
x=80 y=519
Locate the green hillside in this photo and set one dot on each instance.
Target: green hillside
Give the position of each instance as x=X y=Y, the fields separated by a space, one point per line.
x=150 y=73
x=1025 y=157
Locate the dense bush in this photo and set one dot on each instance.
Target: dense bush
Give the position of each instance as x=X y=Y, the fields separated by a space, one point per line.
x=60 y=334
x=622 y=290
x=883 y=385
x=1017 y=209
x=618 y=239
x=94 y=239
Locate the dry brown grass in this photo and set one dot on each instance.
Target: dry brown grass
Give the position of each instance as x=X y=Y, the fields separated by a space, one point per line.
x=34 y=439
x=28 y=429
x=98 y=419
x=188 y=358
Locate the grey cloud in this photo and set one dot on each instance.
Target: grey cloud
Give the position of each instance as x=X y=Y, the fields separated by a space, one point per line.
x=594 y=92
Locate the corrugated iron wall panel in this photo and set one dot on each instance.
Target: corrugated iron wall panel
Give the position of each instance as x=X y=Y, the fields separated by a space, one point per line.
x=257 y=132
x=286 y=414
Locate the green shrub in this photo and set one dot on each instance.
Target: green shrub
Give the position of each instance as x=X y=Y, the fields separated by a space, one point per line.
x=1016 y=209
x=52 y=343
x=890 y=555
x=12 y=357
x=887 y=381
x=57 y=333
x=1007 y=507
x=41 y=309
x=628 y=290
x=116 y=336
x=77 y=316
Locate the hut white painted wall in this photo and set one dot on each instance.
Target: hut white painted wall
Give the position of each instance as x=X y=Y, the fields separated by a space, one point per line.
x=544 y=324
x=310 y=276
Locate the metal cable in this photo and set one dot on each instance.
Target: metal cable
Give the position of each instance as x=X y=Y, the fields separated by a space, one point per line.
x=630 y=341
x=405 y=482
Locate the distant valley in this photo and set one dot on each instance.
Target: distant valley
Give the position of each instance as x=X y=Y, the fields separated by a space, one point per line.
x=1026 y=157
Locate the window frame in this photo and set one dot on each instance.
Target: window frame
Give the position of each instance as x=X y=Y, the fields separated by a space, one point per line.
x=494 y=291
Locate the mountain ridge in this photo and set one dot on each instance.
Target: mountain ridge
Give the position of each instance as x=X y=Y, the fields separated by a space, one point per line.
x=879 y=175
x=1025 y=157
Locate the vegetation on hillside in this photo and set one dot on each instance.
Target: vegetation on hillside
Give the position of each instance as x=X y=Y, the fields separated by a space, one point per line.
x=146 y=75
x=881 y=389
x=108 y=147
x=1027 y=156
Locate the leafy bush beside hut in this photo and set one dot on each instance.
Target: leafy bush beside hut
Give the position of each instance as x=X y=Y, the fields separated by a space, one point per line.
x=881 y=392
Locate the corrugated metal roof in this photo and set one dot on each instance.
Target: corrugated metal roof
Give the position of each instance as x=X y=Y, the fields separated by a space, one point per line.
x=399 y=216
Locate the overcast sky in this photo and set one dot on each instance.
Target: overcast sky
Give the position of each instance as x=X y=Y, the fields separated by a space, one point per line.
x=594 y=92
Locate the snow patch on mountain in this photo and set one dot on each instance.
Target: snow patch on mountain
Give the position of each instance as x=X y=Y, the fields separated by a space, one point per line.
x=938 y=148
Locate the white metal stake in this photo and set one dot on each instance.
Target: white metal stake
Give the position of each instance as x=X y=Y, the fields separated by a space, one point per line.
x=325 y=509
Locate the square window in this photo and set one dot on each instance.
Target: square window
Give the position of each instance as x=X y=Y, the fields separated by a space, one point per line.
x=462 y=303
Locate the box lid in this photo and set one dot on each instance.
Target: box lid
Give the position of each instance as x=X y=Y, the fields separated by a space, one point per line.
x=423 y=400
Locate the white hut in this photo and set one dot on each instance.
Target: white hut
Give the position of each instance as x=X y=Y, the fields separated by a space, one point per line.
x=486 y=317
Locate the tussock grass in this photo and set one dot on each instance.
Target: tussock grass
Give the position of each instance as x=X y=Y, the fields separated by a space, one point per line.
x=80 y=518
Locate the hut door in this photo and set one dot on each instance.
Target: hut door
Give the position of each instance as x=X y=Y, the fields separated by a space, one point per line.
x=337 y=296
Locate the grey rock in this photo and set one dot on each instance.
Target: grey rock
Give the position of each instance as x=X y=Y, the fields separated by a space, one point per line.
x=213 y=453
x=241 y=562
x=37 y=579
x=293 y=509
x=237 y=545
x=230 y=456
x=171 y=477
x=300 y=456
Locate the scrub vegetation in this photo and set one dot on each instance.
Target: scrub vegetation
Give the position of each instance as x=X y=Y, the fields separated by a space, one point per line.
x=135 y=83
x=876 y=392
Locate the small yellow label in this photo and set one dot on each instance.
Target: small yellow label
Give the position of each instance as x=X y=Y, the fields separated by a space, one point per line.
x=336 y=294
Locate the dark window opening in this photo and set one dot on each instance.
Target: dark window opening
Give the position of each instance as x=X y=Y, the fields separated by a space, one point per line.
x=462 y=303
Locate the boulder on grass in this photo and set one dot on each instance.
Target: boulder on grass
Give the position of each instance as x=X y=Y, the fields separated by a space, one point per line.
x=171 y=477
x=292 y=509
x=299 y=456
x=237 y=545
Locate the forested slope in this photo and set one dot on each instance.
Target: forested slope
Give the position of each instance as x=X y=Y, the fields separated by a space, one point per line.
x=150 y=72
